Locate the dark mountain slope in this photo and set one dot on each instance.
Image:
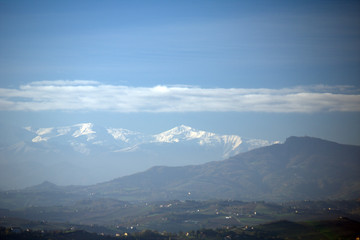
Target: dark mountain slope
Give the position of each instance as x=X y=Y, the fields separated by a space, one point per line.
x=301 y=168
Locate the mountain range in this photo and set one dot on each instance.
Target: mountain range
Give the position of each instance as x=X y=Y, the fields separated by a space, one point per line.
x=302 y=168
x=85 y=153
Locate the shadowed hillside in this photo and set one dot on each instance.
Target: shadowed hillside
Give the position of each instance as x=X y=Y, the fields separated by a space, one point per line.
x=301 y=168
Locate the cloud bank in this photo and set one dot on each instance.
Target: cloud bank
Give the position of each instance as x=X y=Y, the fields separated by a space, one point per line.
x=94 y=96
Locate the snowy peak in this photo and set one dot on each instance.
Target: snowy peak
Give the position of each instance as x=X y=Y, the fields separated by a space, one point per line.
x=83 y=138
x=231 y=143
x=85 y=149
x=182 y=133
x=122 y=134
x=84 y=129
x=77 y=130
x=234 y=140
x=187 y=133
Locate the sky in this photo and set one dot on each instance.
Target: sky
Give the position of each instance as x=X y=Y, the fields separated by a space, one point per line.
x=258 y=69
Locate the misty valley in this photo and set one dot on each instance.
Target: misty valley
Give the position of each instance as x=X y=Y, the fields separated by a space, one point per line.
x=179 y=120
x=304 y=188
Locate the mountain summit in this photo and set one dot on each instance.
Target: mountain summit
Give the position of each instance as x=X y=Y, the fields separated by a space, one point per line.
x=183 y=133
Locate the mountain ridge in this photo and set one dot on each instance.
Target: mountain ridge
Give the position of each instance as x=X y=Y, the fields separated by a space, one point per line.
x=67 y=155
x=273 y=173
x=177 y=134
x=296 y=170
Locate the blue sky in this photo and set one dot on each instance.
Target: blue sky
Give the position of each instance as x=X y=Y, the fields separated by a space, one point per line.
x=259 y=69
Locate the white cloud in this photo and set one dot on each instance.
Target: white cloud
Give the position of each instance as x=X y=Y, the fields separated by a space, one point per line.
x=94 y=96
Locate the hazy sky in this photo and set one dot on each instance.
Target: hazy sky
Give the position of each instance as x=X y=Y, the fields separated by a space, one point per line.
x=259 y=69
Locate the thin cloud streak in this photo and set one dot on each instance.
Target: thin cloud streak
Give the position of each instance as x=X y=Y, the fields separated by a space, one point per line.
x=94 y=96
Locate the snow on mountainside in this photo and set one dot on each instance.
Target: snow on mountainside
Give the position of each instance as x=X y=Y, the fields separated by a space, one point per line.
x=70 y=154
x=184 y=133
x=126 y=136
x=77 y=130
x=232 y=144
x=122 y=140
x=121 y=134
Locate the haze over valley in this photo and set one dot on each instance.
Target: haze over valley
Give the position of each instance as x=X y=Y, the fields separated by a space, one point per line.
x=164 y=120
x=302 y=168
x=289 y=179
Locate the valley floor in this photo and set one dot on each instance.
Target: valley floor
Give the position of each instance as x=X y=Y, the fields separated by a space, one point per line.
x=107 y=219
x=342 y=228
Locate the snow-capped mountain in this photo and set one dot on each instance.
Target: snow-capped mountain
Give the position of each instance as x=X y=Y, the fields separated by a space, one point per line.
x=232 y=144
x=77 y=130
x=82 y=150
x=126 y=140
